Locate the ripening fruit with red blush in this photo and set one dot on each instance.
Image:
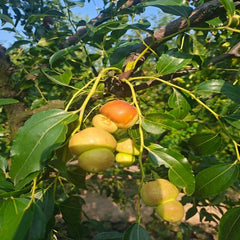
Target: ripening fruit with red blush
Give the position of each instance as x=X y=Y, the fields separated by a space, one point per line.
x=120 y=112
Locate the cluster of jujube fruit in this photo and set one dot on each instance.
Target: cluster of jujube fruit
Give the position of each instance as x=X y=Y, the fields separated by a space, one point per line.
x=95 y=146
x=162 y=195
x=97 y=150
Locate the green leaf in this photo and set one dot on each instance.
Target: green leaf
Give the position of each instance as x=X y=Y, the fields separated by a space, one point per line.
x=233 y=119
x=180 y=172
x=57 y=81
x=231 y=91
x=11 y=214
x=205 y=143
x=191 y=212
x=32 y=221
x=65 y=78
x=152 y=127
x=77 y=176
x=6 y=18
x=37 y=219
x=71 y=209
x=35 y=141
x=155 y=123
x=42 y=212
x=215 y=179
x=62 y=53
x=175 y=7
x=229 y=227
x=46 y=203
x=54 y=13
x=108 y=236
x=109 y=26
x=5 y=101
x=19 y=43
x=206 y=88
x=136 y=232
x=172 y=61
x=219 y=86
x=37 y=225
x=6 y=186
x=179 y=104
x=122 y=51
x=3 y=163
x=46 y=42
x=229 y=6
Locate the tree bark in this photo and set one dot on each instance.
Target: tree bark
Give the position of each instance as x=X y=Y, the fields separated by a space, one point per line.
x=16 y=113
x=201 y=14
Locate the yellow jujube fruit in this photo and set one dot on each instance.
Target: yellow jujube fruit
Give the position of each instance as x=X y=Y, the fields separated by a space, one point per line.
x=104 y=122
x=96 y=159
x=155 y=192
x=124 y=159
x=171 y=211
x=127 y=146
x=90 y=138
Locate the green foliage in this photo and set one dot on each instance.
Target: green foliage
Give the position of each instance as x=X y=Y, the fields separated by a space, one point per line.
x=4 y=101
x=180 y=172
x=108 y=236
x=12 y=213
x=185 y=86
x=174 y=7
x=172 y=61
x=136 y=231
x=205 y=144
x=219 y=86
x=229 y=225
x=44 y=132
x=215 y=179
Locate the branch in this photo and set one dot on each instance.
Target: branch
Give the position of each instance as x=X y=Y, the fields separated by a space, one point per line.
x=233 y=52
x=204 y=12
x=122 y=90
x=164 y=77
x=101 y=18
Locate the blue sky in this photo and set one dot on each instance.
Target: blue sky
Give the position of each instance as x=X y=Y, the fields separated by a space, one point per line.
x=90 y=9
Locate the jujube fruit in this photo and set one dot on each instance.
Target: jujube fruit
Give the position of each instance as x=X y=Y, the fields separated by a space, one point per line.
x=127 y=146
x=121 y=113
x=96 y=159
x=90 y=138
x=171 y=211
x=94 y=147
x=155 y=192
x=124 y=159
x=234 y=21
x=104 y=122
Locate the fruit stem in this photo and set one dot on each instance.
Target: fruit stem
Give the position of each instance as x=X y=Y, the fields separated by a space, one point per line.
x=236 y=145
x=138 y=219
x=222 y=125
x=33 y=193
x=90 y=94
x=77 y=93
